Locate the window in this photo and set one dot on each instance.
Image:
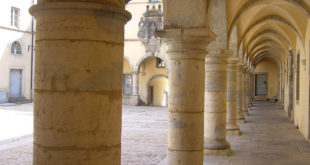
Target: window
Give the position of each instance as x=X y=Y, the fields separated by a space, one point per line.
x=127 y=84
x=153 y=0
x=15 y=12
x=16 y=48
x=160 y=63
x=297 y=75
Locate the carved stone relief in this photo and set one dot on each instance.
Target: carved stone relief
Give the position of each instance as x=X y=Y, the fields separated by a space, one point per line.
x=151 y=21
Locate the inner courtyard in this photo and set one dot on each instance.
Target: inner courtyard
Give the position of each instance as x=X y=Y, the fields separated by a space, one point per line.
x=177 y=82
x=144 y=138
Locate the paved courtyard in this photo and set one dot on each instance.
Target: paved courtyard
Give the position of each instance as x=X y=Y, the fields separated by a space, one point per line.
x=268 y=138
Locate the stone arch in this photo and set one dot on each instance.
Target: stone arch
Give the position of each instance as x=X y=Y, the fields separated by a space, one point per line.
x=268 y=34
x=250 y=4
x=130 y=63
x=137 y=66
x=265 y=44
x=275 y=18
x=149 y=81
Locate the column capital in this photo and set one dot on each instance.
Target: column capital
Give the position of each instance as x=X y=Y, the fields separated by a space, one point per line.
x=219 y=56
x=233 y=60
x=187 y=43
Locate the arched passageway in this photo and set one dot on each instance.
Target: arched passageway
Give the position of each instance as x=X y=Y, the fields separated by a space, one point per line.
x=150 y=69
x=158 y=90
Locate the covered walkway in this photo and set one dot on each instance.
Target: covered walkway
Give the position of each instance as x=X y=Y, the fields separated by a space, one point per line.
x=268 y=137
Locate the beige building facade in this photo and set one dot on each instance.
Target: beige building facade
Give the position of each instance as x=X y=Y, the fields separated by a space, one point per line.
x=16 y=50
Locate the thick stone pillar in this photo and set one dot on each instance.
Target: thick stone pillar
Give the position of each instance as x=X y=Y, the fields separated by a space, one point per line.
x=252 y=86
x=240 y=91
x=186 y=55
x=187 y=34
x=215 y=103
x=244 y=78
x=231 y=122
x=248 y=88
x=78 y=81
x=134 y=98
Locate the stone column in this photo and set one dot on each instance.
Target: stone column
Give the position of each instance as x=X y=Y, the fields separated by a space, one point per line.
x=186 y=55
x=215 y=103
x=248 y=88
x=231 y=126
x=134 y=98
x=78 y=81
x=245 y=90
x=252 y=86
x=240 y=91
x=187 y=34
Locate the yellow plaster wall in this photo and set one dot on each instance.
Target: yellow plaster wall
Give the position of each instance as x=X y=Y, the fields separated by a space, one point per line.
x=301 y=107
x=126 y=67
x=160 y=85
x=273 y=77
x=147 y=70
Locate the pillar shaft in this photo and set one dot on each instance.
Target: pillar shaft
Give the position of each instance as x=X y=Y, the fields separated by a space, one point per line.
x=135 y=83
x=240 y=91
x=135 y=97
x=248 y=88
x=244 y=93
x=186 y=55
x=78 y=82
x=187 y=34
x=215 y=101
x=231 y=126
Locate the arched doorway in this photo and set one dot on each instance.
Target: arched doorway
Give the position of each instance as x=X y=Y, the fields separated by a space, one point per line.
x=149 y=69
x=157 y=90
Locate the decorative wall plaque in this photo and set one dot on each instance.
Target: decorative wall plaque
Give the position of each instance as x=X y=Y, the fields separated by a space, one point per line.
x=151 y=21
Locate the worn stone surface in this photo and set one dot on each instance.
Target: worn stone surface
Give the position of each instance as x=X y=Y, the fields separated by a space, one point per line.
x=231 y=122
x=77 y=82
x=215 y=101
x=240 y=88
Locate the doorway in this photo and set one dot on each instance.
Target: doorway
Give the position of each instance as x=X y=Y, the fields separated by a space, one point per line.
x=261 y=84
x=15 y=83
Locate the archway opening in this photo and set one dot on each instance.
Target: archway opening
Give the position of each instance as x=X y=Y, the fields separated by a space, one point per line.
x=150 y=69
x=158 y=91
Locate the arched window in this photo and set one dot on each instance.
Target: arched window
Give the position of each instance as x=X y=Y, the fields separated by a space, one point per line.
x=16 y=48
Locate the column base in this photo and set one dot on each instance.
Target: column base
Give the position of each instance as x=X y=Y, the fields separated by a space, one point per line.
x=233 y=132
x=134 y=100
x=242 y=121
x=222 y=152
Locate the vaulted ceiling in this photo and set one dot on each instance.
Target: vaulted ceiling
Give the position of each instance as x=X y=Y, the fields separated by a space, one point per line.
x=267 y=29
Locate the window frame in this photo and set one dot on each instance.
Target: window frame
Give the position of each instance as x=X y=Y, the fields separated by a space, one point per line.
x=14 y=49
x=160 y=63
x=15 y=17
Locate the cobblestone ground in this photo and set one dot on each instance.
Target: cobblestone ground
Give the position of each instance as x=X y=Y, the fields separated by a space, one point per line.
x=268 y=139
x=144 y=135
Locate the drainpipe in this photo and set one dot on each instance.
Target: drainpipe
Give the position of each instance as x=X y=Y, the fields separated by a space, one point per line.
x=32 y=56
